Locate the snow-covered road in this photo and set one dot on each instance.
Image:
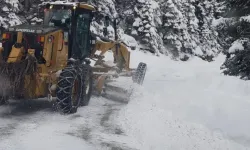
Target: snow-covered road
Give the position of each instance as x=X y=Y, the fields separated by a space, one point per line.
x=34 y=125
x=189 y=105
x=182 y=105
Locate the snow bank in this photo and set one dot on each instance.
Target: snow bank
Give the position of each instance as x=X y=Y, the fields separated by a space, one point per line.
x=220 y=21
x=187 y=106
x=236 y=46
x=157 y=128
x=245 y=18
x=130 y=41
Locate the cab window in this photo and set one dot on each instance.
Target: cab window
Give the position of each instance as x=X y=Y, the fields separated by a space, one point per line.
x=82 y=33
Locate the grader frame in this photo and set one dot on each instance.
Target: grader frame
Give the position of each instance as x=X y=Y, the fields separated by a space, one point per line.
x=54 y=59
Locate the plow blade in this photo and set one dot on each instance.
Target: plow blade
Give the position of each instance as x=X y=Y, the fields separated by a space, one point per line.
x=121 y=88
x=115 y=93
x=118 y=90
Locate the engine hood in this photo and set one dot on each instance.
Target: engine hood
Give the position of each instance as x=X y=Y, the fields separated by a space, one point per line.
x=37 y=29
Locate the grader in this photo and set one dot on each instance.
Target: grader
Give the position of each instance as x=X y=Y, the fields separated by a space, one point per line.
x=54 y=59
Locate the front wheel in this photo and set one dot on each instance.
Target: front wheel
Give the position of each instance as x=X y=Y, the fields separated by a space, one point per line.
x=69 y=90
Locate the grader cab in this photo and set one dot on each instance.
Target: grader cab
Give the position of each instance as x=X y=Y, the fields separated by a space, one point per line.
x=55 y=59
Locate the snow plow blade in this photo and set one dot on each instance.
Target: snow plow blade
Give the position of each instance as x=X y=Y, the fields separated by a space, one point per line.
x=120 y=87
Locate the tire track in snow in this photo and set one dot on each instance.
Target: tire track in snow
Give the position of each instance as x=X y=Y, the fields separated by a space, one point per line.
x=31 y=121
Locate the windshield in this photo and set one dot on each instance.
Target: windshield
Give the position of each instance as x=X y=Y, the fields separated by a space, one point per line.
x=57 y=17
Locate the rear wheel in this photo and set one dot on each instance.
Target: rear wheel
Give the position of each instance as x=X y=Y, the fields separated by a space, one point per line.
x=87 y=85
x=69 y=90
x=140 y=73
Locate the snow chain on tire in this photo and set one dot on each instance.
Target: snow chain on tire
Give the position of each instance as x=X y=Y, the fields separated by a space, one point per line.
x=140 y=73
x=65 y=102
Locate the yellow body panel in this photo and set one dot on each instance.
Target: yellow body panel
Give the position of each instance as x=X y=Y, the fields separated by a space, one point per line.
x=123 y=51
x=19 y=37
x=15 y=54
x=55 y=52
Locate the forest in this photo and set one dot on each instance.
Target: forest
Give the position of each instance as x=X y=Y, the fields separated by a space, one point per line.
x=180 y=29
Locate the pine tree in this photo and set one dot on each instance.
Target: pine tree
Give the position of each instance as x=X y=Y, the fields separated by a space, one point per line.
x=237 y=8
x=208 y=35
x=234 y=32
x=171 y=21
x=146 y=24
x=187 y=28
x=182 y=27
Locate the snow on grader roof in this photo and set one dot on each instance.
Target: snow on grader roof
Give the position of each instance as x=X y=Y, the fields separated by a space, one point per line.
x=73 y=4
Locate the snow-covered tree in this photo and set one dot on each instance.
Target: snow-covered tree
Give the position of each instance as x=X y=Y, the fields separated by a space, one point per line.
x=187 y=28
x=146 y=22
x=8 y=13
x=171 y=21
x=208 y=36
x=238 y=59
x=183 y=28
x=234 y=33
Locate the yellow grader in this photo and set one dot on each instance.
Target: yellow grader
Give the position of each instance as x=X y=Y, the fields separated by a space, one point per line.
x=54 y=59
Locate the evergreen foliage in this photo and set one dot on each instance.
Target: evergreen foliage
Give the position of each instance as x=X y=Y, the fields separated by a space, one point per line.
x=181 y=29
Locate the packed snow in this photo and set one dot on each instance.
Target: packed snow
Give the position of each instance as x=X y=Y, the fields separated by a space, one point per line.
x=188 y=105
x=181 y=105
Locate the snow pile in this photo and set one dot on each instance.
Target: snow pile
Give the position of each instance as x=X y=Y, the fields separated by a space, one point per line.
x=187 y=106
x=157 y=128
x=128 y=40
x=236 y=46
x=246 y=18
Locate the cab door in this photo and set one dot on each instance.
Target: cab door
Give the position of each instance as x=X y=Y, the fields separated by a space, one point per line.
x=81 y=43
